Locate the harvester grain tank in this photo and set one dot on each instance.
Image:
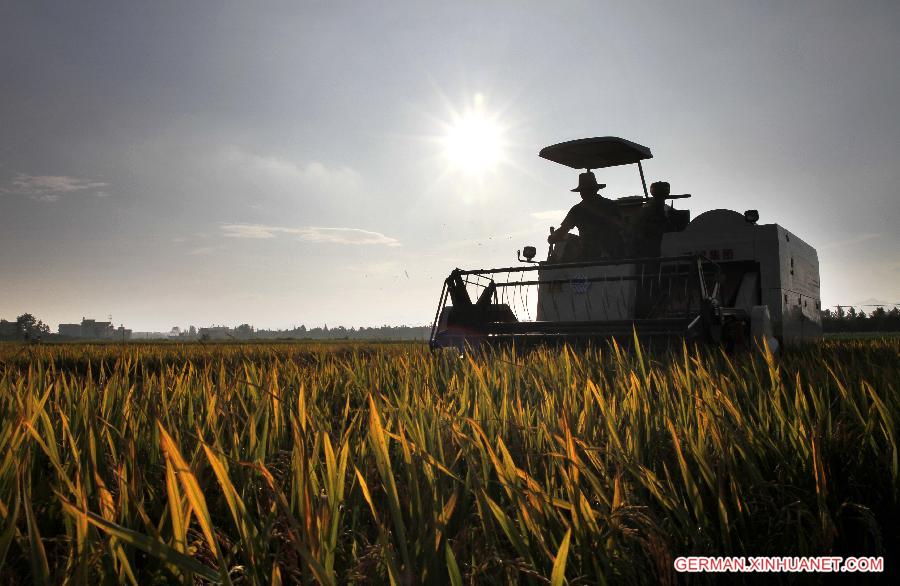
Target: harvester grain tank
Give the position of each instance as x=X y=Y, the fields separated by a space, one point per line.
x=720 y=278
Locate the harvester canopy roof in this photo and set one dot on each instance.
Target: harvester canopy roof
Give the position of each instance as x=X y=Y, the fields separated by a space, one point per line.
x=596 y=153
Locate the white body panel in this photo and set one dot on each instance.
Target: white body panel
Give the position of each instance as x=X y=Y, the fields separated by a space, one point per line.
x=578 y=299
x=788 y=268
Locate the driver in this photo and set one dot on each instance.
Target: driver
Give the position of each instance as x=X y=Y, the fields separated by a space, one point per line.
x=598 y=219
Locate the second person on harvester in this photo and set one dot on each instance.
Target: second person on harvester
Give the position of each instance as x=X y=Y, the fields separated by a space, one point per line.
x=652 y=222
x=598 y=219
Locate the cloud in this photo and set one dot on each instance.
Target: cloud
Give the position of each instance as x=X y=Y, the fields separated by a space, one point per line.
x=50 y=188
x=346 y=236
x=253 y=231
x=873 y=301
x=309 y=234
x=277 y=174
x=858 y=239
x=202 y=251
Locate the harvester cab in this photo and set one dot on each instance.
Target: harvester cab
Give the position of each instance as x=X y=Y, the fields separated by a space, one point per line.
x=720 y=278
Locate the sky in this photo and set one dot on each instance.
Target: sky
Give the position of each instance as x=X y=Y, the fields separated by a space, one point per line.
x=286 y=163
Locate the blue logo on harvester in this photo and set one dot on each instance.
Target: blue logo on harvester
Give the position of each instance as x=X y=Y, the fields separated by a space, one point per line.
x=580 y=284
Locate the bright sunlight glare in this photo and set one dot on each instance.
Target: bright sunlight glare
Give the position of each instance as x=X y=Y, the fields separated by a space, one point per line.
x=474 y=140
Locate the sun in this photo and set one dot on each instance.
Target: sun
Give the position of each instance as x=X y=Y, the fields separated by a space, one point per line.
x=473 y=141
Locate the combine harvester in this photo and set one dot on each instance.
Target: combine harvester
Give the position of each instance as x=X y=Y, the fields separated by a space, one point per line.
x=720 y=278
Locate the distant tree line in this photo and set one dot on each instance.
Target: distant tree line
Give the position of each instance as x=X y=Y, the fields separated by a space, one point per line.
x=248 y=332
x=26 y=328
x=342 y=333
x=851 y=320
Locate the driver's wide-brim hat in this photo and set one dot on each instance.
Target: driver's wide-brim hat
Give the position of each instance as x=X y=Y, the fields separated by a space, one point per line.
x=587 y=181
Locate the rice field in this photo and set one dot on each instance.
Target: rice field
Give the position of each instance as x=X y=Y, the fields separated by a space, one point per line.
x=383 y=463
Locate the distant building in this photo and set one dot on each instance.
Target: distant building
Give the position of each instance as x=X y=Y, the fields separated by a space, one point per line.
x=70 y=330
x=7 y=329
x=96 y=330
x=216 y=333
x=91 y=329
x=244 y=332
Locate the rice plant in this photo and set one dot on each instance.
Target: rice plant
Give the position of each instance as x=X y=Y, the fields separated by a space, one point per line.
x=384 y=463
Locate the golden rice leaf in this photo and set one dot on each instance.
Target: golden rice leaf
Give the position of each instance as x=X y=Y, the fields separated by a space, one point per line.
x=179 y=517
x=452 y=567
x=558 y=575
x=40 y=569
x=379 y=443
x=242 y=519
x=508 y=528
x=9 y=529
x=443 y=519
x=194 y=495
x=154 y=547
x=387 y=552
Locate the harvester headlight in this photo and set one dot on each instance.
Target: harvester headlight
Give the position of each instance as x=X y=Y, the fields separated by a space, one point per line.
x=529 y=252
x=752 y=216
